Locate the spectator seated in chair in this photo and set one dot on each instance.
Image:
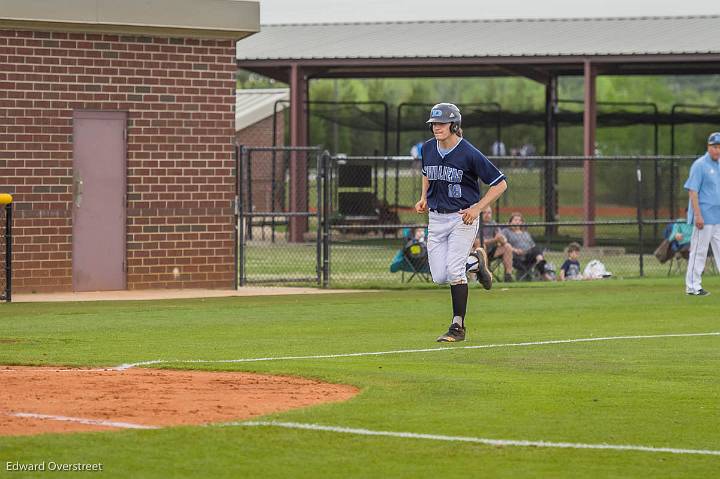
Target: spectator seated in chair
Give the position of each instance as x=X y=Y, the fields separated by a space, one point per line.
x=676 y=241
x=570 y=269
x=413 y=256
x=494 y=242
x=528 y=258
x=679 y=237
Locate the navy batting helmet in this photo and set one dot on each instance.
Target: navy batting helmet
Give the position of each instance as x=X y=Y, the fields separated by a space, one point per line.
x=714 y=138
x=445 y=113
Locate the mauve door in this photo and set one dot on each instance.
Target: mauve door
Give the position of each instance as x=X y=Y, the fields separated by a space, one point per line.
x=99 y=169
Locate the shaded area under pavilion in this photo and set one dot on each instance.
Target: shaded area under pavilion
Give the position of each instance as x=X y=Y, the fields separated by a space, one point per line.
x=541 y=50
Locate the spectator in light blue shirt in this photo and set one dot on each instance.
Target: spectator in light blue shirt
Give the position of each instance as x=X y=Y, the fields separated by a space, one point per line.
x=703 y=187
x=679 y=236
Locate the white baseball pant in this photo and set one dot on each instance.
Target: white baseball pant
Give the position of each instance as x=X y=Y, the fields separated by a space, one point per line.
x=701 y=239
x=449 y=244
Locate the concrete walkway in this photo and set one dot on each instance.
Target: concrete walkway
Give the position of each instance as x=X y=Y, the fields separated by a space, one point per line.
x=149 y=294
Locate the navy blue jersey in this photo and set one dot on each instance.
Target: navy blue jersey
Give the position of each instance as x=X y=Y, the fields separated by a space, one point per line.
x=454 y=177
x=571 y=268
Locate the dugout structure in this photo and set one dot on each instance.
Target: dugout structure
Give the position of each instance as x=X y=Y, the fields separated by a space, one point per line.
x=585 y=48
x=6 y=247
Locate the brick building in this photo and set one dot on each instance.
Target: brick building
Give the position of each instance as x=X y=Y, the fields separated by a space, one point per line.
x=254 y=125
x=117 y=141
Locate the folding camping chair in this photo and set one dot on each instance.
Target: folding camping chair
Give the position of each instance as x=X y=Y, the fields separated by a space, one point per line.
x=412 y=258
x=523 y=271
x=677 y=260
x=415 y=261
x=494 y=268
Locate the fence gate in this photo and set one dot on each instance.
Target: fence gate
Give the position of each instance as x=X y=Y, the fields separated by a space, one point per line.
x=282 y=227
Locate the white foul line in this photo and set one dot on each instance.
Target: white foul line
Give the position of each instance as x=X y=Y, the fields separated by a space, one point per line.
x=479 y=440
x=124 y=367
x=80 y=420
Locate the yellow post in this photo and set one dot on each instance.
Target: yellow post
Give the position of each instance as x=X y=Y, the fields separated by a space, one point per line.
x=5 y=199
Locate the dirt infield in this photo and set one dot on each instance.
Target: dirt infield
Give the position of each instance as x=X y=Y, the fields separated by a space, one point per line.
x=148 y=397
x=155 y=294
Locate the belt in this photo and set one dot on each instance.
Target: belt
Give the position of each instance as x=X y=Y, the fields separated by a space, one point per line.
x=443 y=211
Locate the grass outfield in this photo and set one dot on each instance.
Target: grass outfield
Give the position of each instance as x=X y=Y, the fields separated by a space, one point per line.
x=657 y=392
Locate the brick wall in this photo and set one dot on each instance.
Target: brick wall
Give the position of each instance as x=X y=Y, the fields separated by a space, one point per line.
x=260 y=134
x=179 y=95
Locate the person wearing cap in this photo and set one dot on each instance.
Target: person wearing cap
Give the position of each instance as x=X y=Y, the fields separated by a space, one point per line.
x=451 y=168
x=703 y=185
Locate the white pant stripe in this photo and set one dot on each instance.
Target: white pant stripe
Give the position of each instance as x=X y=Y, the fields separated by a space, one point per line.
x=701 y=239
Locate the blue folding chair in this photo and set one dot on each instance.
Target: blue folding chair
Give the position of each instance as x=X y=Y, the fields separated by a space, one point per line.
x=412 y=258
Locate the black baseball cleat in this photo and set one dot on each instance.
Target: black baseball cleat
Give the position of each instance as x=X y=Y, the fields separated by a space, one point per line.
x=699 y=292
x=484 y=276
x=455 y=333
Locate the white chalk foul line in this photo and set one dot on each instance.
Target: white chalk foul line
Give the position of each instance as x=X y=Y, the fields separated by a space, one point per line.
x=24 y=369
x=124 y=367
x=80 y=420
x=479 y=440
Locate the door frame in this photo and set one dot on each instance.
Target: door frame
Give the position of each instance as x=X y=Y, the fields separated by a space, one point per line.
x=102 y=115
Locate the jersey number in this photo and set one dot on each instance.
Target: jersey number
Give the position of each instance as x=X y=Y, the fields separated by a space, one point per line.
x=454 y=190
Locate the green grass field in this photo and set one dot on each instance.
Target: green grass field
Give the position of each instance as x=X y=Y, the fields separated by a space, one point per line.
x=656 y=392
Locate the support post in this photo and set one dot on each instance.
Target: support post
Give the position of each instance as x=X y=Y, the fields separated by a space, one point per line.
x=298 y=159
x=240 y=211
x=236 y=207
x=589 y=125
x=639 y=202
x=550 y=167
x=326 y=209
x=8 y=248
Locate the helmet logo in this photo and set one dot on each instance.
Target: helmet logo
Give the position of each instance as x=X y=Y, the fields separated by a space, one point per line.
x=452 y=115
x=436 y=113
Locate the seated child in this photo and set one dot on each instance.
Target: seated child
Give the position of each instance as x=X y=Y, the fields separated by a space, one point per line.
x=570 y=269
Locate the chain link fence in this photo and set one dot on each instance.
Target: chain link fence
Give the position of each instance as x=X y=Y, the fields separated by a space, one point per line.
x=279 y=234
x=360 y=217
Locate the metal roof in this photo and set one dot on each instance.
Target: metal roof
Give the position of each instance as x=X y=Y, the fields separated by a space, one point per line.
x=485 y=38
x=252 y=106
x=223 y=19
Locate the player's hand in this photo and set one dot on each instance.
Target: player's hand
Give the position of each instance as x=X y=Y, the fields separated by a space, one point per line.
x=699 y=221
x=469 y=215
x=421 y=206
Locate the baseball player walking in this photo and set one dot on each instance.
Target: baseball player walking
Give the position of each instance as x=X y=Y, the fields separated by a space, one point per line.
x=451 y=167
x=703 y=187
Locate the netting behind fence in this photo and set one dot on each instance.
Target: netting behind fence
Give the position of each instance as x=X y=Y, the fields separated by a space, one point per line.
x=384 y=190
x=373 y=190
x=617 y=193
